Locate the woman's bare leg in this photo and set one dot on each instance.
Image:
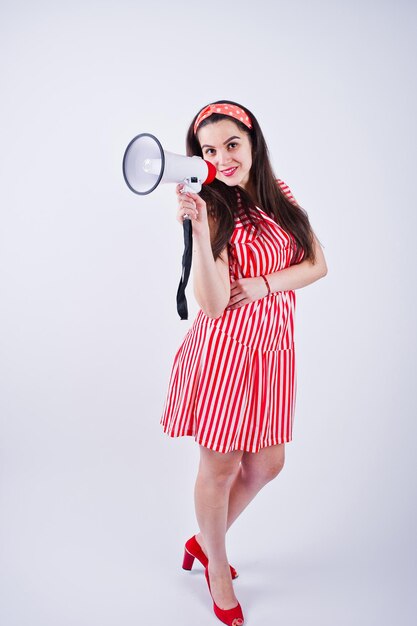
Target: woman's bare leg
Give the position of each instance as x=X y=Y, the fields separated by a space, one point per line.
x=255 y=471
x=216 y=475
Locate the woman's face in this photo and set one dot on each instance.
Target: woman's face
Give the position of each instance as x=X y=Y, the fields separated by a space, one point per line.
x=229 y=149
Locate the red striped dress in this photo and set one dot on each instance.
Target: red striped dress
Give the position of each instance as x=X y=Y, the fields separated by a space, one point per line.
x=233 y=380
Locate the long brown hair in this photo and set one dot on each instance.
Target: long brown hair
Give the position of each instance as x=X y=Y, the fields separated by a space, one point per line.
x=221 y=199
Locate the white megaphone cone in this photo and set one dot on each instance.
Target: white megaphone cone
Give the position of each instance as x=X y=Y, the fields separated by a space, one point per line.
x=146 y=164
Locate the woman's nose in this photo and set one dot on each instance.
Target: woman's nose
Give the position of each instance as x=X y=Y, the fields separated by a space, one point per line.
x=223 y=157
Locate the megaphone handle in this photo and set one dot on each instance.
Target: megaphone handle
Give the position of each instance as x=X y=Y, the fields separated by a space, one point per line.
x=186 y=267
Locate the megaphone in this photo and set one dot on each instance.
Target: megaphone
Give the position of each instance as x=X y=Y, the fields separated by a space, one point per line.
x=146 y=164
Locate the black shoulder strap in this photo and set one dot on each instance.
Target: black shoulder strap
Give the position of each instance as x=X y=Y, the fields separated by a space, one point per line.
x=186 y=267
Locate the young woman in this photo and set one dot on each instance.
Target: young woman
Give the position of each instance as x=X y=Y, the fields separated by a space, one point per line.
x=233 y=381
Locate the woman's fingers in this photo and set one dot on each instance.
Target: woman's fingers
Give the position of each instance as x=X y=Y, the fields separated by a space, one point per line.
x=186 y=209
x=190 y=195
x=187 y=213
x=179 y=189
x=190 y=205
x=187 y=202
x=186 y=206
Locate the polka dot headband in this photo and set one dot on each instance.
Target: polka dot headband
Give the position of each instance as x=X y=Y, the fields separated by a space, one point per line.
x=224 y=109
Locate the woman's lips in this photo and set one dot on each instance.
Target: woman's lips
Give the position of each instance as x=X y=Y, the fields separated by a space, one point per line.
x=230 y=171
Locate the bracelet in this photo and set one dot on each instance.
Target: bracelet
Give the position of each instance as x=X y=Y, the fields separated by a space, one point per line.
x=267 y=284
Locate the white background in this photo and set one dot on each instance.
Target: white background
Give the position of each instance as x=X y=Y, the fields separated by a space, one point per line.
x=96 y=502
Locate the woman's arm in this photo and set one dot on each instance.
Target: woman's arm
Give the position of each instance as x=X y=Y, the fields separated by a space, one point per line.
x=303 y=273
x=299 y=275
x=210 y=277
x=245 y=290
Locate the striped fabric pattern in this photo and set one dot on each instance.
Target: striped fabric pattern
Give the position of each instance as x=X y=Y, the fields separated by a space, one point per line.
x=233 y=380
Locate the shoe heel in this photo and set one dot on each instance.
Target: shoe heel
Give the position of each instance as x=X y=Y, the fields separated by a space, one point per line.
x=188 y=560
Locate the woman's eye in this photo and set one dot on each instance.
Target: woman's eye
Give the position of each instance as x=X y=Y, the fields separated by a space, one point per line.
x=212 y=151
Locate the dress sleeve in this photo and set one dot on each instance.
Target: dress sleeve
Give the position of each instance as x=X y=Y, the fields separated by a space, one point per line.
x=287 y=191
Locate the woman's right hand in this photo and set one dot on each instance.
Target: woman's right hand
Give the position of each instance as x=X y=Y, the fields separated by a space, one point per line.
x=192 y=205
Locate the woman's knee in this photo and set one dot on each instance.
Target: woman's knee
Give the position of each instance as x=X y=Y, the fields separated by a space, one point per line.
x=218 y=467
x=274 y=468
x=264 y=466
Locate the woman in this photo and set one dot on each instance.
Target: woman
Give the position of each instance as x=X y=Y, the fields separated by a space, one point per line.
x=233 y=381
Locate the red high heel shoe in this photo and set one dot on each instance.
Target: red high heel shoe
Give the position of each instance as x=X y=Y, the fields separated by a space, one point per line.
x=193 y=551
x=231 y=617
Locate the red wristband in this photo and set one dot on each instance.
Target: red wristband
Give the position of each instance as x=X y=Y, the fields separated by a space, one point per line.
x=267 y=285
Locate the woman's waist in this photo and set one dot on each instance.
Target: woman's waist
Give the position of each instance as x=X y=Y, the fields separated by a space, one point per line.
x=267 y=323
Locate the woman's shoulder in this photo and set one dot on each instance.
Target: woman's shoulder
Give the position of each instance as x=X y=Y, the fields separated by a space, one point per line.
x=286 y=190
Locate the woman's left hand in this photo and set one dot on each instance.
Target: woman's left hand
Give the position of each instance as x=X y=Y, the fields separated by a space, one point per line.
x=245 y=290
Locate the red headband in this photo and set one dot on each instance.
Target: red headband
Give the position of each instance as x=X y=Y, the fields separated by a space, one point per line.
x=224 y=109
